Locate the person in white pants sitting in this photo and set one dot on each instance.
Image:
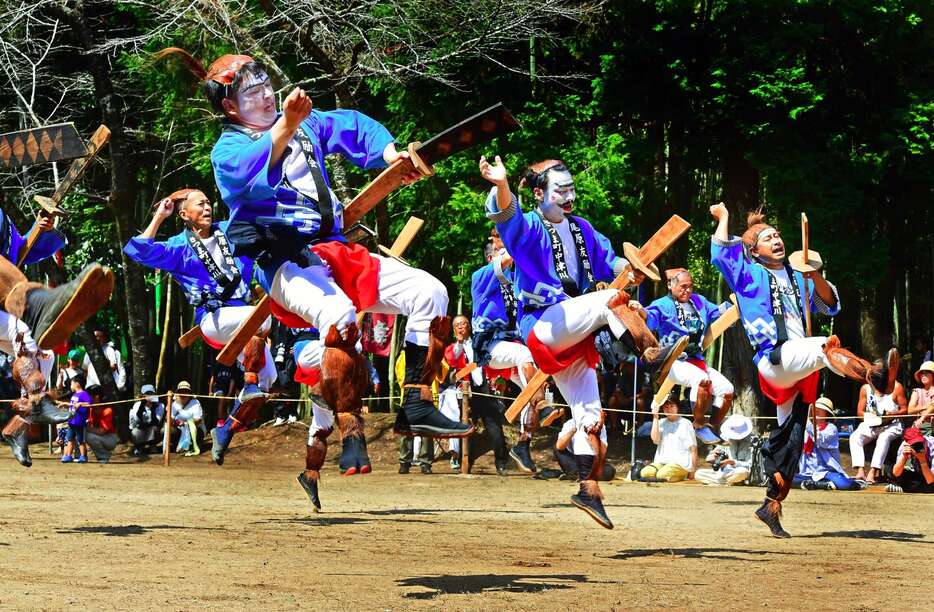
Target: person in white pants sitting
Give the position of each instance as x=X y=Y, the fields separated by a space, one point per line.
x=876 y=410
x=732 y=461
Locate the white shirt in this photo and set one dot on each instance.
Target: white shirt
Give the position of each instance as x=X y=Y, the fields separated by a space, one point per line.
x=793 y=323
x=113 y=356
x=215 y=250
x=295 y=170
x=567 y=244
x=191 y=410
x=677 y=440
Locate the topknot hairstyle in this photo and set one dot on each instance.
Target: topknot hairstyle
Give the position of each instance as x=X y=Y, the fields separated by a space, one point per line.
x=222 y=78
x=536 y=175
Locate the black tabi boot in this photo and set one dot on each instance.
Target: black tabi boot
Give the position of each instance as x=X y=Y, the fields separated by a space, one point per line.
x=589 y=498
x=19 y=444
x=523 y=457
x=770 y=513
x=419 y=416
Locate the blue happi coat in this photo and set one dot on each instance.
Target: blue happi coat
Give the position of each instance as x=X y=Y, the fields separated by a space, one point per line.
x=176 y=257
x=11 y=241
x=489 y=310
x=537 y=284
x=749 y=280
x=256 y=192
x=662 y=318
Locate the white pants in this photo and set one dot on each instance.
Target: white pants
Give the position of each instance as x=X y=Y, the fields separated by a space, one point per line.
x=449 y=403
x=801 y=357
x=689 y=375
x=727 y=475
x=321 y=419
x=219 y=327
x=562 y=326
x=505 y=355
x=312 y=294
x=884 y=435
x=10 y=328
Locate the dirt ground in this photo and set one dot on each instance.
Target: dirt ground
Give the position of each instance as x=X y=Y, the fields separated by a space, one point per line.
x=136 y=535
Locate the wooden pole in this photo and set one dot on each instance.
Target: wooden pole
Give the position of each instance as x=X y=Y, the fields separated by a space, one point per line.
x=167 y=431
x=165 y=333
x=465 y=418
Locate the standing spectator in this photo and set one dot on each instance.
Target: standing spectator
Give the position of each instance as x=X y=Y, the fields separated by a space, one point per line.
x=922 y=350
x=101 y=433
x=732 y=462
x=145 y=419
x=872 y=407
x=189 y=418
x=426 y=446
x=922 y=398
x=913 y=472
x=819 y=466
x=113 y=356
x=80 y=401
x=71 y=369
x=676 y=455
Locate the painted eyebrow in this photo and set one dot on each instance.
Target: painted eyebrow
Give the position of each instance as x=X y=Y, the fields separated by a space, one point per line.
x=255 y=85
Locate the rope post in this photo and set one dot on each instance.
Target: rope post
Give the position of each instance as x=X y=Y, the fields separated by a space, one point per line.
x=167 y=430
x=635 y=394
x=465 y=418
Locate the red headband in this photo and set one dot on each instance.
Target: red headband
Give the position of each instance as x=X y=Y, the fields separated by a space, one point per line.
x=225 y=68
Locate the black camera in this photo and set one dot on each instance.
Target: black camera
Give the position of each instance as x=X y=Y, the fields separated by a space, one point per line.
x=918 y=447
x=718 y=457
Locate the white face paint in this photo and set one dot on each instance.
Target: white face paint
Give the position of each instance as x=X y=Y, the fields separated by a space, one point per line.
x=558 y=199
x=256 y=102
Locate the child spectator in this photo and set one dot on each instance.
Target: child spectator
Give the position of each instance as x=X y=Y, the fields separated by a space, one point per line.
x=101 y=433
x=80 y=400
x=731 y=461
x=676 y=455
x=913 y=472
x=819 y=466
x=188 y=416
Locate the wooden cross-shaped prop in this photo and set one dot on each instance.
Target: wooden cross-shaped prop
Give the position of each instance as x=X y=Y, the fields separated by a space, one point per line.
x=717 y=328
x=262 y=310
x=806 y=261
x=50 y=206
x=641 y=259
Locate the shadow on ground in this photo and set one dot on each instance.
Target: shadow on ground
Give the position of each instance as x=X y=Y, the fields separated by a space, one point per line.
x=724 y=554
x=874 y=534
x=123 y=531
x=485 y=583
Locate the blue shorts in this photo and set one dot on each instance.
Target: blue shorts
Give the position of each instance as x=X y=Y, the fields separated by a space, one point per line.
x=75 y=434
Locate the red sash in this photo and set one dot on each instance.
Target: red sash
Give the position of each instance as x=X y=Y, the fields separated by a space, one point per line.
x=807 y=387
x=698 y=363
x=550 y=362
x=354 y=270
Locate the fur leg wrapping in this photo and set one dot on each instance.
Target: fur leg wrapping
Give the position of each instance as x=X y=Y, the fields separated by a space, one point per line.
x=599 y=459
x=439 y=332
x=350 y=425
x=254 y=356
x=315 y=453
x=16 y=426
x=344 y=375
x=642 y=336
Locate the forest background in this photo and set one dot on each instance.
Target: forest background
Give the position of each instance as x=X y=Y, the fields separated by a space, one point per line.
x=657 y=107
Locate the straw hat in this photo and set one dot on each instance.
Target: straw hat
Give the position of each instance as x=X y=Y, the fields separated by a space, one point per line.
x=183 y=386
x=927 y=366
x=825 y=404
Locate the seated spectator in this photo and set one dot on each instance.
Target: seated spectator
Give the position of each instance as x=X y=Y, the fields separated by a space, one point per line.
x=571 y=445
x=676 y=455
x=145 y=421
x=872 y=407
x=819 y=466
x=71 y=369
x=101 y=433
x=188 y=416
x=731 y=461
x=922 y=399
x=913 y=472
x=80 y=400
